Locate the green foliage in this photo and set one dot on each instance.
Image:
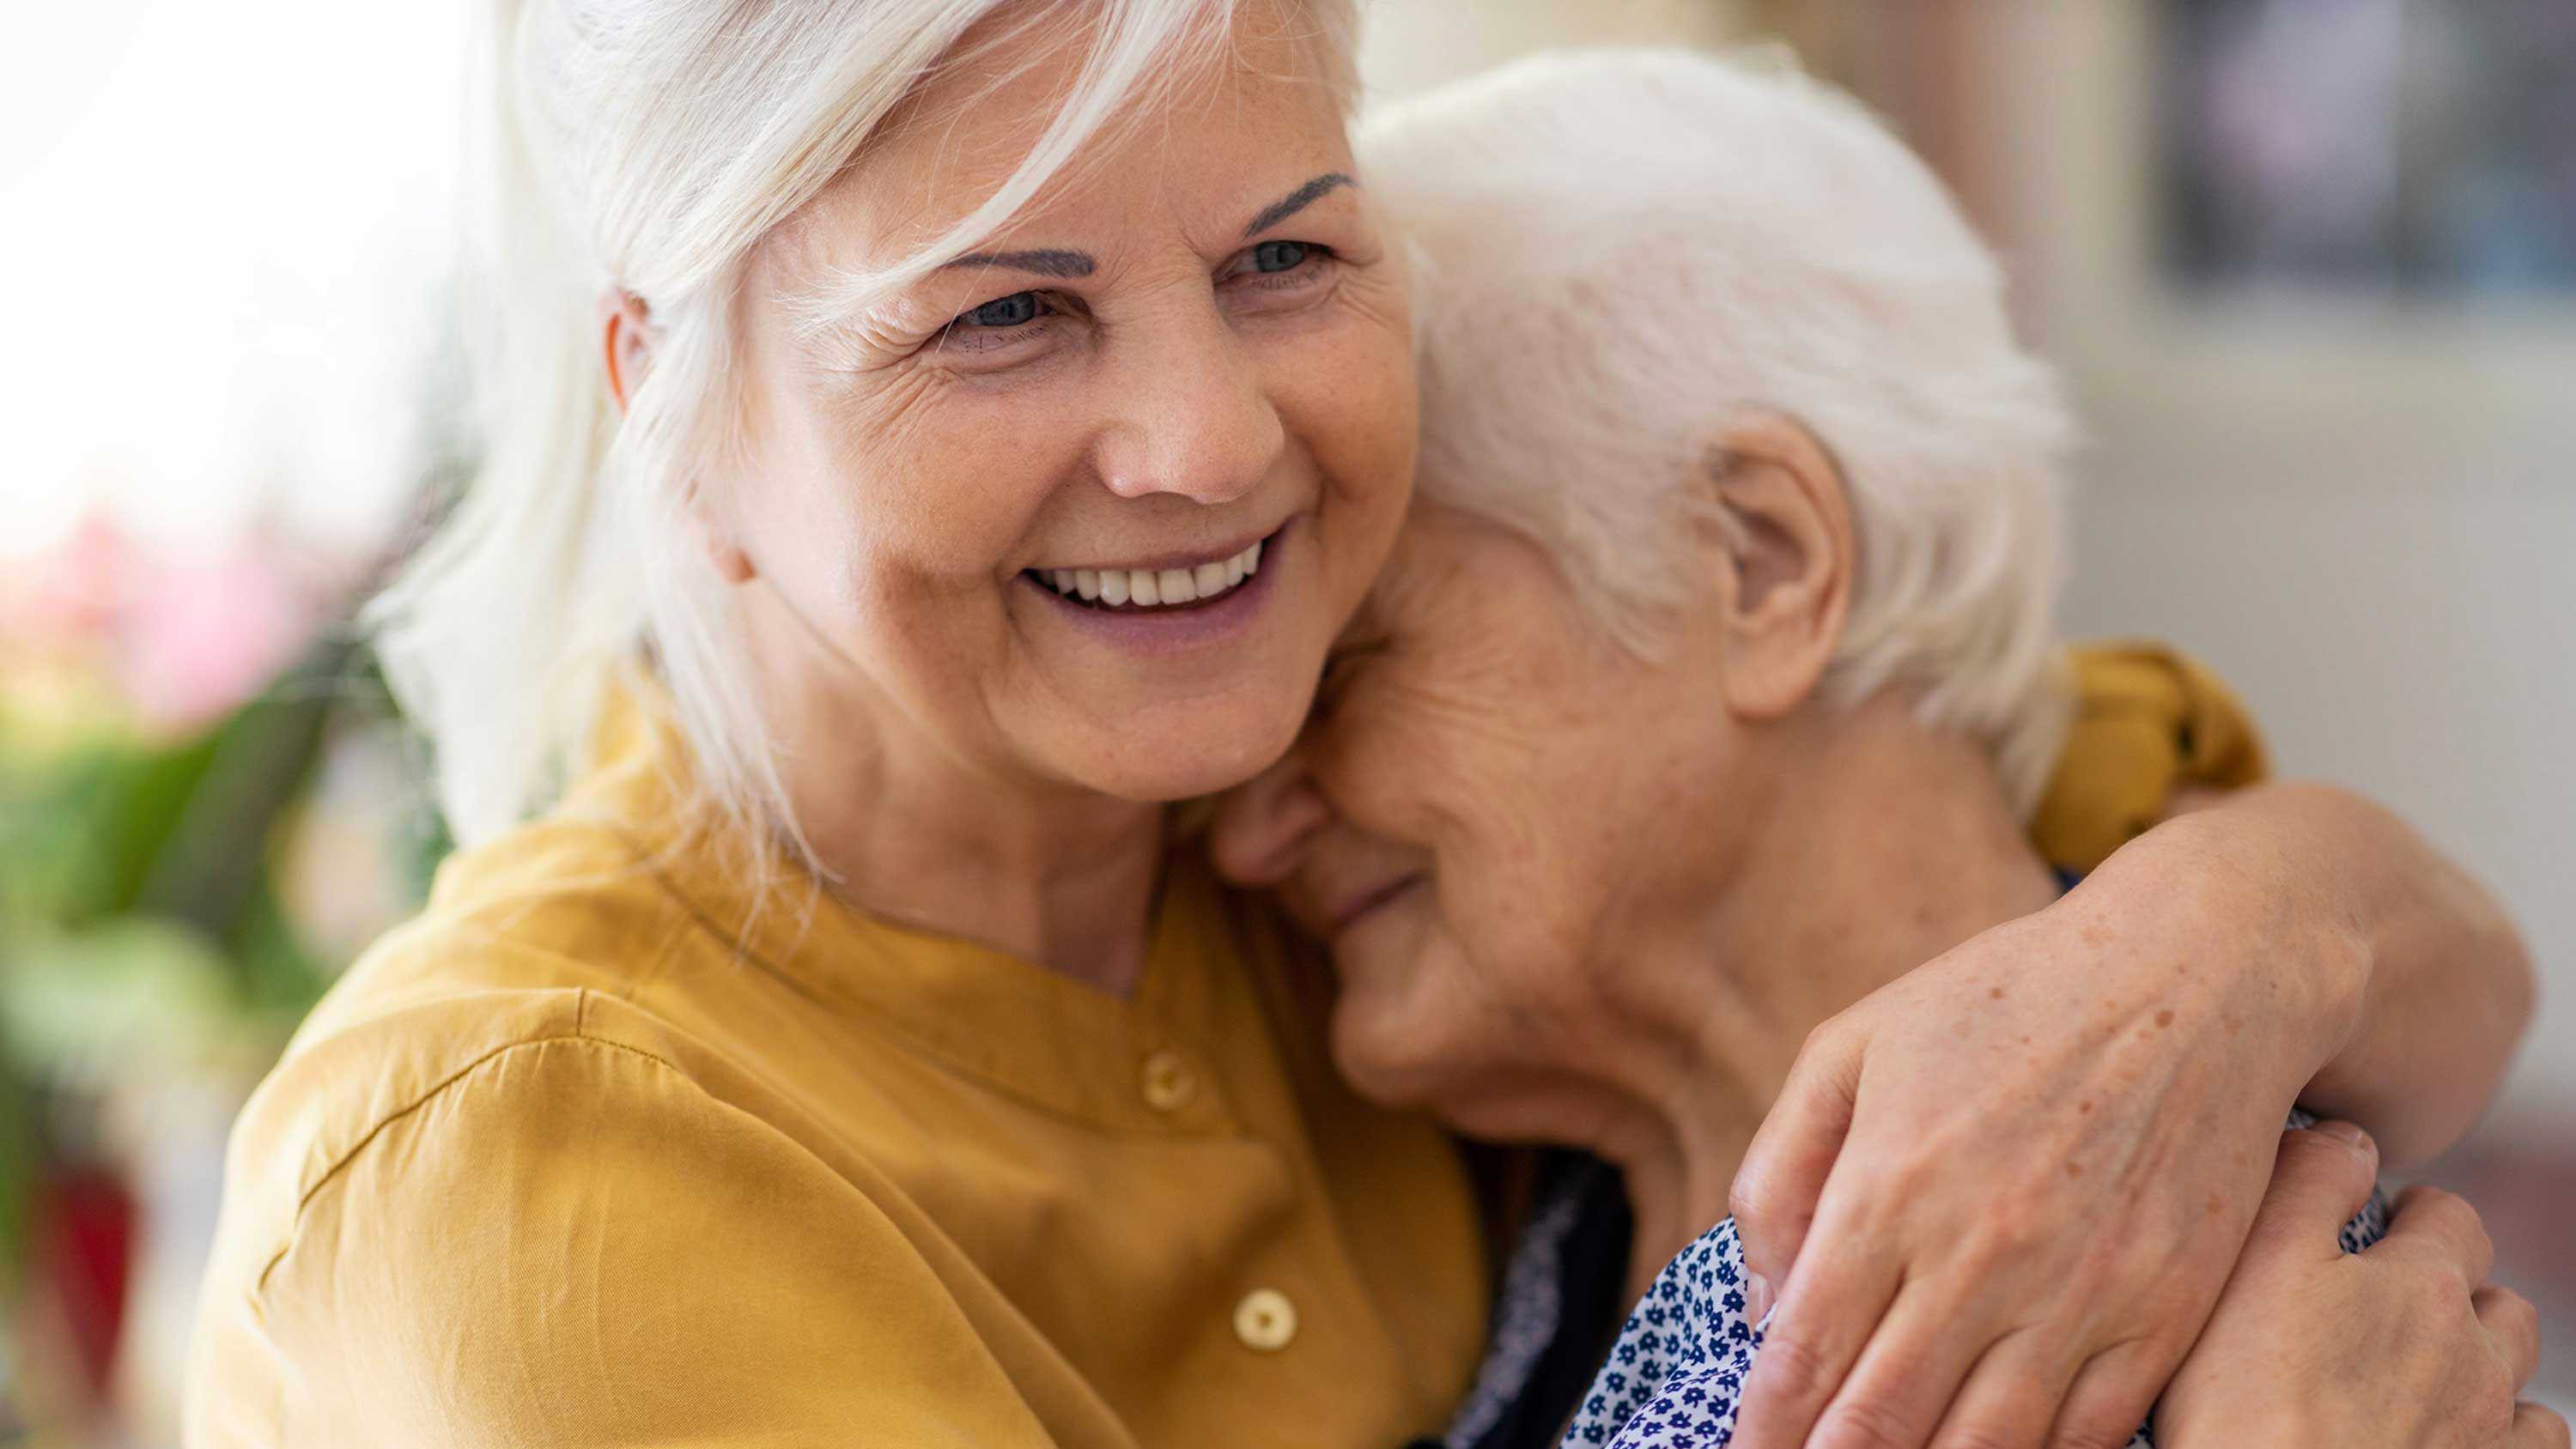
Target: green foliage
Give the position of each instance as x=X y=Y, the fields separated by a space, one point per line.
x=137 y=914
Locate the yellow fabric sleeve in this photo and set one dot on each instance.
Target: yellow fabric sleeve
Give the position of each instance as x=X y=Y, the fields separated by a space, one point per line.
x=572 y=1244
x=2149 y=722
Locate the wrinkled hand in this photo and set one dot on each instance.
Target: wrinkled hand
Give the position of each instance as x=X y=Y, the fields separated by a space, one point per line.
x=1997 y=1199
x=2404 y=1345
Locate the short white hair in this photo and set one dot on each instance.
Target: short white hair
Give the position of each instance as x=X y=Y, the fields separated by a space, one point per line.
x=1623 y=252
x=648 y=146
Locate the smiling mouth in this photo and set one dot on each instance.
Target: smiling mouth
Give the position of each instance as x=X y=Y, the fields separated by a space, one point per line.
x=1150 y=591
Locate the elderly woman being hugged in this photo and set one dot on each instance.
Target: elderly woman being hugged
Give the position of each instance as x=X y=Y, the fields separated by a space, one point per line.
x=1707 y=697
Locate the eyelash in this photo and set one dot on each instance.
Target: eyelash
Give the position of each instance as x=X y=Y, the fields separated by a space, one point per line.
x=964 y=333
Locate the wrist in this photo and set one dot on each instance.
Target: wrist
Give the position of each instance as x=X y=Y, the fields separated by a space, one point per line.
x=2255 y=933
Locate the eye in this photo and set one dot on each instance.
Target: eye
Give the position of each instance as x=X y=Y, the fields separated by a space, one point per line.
x=1279 y=256
x=1279 y=266
x=1006 y=328
x=1010 y=311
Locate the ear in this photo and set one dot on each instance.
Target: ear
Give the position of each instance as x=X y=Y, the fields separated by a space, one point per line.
x=1784 y=522
x=626 y=340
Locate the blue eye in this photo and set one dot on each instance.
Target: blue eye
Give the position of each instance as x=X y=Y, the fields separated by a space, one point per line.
x=1279 y=256
x=1010 y=311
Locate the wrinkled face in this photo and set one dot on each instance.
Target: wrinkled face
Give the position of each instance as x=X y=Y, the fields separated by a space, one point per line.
x=1088 y=507
x=1491 y=804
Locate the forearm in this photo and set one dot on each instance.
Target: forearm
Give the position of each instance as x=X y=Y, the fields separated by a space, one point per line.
x=2416 y=982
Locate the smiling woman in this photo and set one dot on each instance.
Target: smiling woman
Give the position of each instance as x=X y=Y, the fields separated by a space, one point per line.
x=925 y=439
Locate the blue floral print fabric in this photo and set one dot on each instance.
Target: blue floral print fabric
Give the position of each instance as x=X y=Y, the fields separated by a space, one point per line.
x=1680 y=1364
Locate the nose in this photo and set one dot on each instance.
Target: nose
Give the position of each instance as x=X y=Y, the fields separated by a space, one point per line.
x=1264 y=826
x=1194 y=417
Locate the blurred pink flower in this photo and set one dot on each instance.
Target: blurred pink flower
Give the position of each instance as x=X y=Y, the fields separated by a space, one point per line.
x=187 y=634
x=199 y=634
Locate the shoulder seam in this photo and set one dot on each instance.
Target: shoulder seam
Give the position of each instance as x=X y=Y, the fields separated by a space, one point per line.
x=304 y=1199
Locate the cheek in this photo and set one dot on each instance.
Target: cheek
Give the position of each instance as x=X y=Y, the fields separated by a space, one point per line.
x=902 y=500
x=1410 y=1016
x=1347 y=397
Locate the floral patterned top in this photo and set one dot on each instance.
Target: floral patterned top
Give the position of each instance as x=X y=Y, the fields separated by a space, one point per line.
x=1673 y=1377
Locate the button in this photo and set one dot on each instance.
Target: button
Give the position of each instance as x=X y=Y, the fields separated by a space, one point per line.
x=1265 y=1320
x=1169 y=1083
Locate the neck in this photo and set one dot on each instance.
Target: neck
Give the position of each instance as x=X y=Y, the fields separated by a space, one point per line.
x=1879 y=846
x=906 y=828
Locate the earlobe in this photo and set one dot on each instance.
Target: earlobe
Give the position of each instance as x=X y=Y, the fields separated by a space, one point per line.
x=732 y=564
x=1785 y=526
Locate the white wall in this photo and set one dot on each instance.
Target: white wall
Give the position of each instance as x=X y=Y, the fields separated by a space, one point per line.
x=2417 y=642
x=2364 y=516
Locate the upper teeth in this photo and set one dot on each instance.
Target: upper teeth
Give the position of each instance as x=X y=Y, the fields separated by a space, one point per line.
x=1151 y=587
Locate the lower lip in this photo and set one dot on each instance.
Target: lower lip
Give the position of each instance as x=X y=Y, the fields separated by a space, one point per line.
x=1375 y=901
x=1175 y=631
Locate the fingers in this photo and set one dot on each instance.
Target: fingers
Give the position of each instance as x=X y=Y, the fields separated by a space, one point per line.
x=2513 y=1326
x=2010 y=1399
x=1905 y=1376
x=2321 y=1178
x=2111 y=1396
x=2536 y=1428
x=2435 y=1224
x=1828 y=1308
x=1783 y=1174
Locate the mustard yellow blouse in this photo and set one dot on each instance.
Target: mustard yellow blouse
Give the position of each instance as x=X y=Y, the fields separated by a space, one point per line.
x=603 y=1149
x=558 y=1163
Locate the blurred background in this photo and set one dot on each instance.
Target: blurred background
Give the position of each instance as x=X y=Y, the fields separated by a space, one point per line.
x=2310 y=266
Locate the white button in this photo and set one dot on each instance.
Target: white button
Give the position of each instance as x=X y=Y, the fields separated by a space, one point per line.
x=1169 y=1083
x=1265 y=1320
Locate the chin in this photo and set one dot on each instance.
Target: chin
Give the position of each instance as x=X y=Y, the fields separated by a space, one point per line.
x=1389 y=1057
x=1187 y=750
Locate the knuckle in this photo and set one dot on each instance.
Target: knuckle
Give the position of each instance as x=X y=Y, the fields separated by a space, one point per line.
x=1867 y=1423
x=2308 y=1153
x=1751 y=1195
x=2430 y=1287
x=2010 y=1232
x=1791 y=1367
x=1984 y=1435
x=2518 y=1310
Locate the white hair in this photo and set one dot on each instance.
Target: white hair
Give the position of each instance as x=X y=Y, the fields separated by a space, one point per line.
x=1625 y=252
x=647 y=147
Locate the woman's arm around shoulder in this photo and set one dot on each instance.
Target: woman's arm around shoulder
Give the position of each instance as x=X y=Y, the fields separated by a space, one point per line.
x=2066 y=1119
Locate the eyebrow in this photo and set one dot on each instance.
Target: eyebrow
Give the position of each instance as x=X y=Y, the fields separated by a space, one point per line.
x=1049 y=262
x=1057 y=262
x=1296 y=201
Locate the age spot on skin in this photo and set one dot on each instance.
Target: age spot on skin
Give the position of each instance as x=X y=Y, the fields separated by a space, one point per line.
x=2217 y=1205
x=2084 y=1108
x=2164 y=1018
x=2074 y=1170
x=1996 y=992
